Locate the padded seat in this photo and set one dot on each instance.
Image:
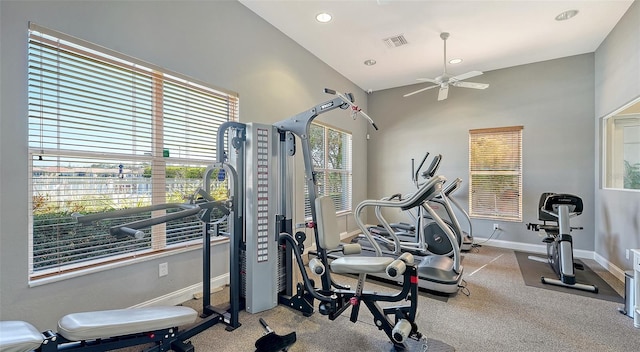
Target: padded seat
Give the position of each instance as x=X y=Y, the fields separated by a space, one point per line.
x=111 y=323
x=360 y=265
x=19 y=336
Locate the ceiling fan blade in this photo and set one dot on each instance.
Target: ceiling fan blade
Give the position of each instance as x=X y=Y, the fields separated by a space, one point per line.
x=465 y=75
x=428 y=80
x=444 y=92
x=473 y=85
x=419 y=91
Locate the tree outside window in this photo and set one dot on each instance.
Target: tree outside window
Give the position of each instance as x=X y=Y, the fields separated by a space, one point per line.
x=331 y=154
x=495 y=168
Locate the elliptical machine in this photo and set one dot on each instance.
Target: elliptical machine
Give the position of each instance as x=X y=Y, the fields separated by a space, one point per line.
x=423 y=236
x=559 y=208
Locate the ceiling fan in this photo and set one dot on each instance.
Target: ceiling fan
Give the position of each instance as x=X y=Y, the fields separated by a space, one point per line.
x=445 y=80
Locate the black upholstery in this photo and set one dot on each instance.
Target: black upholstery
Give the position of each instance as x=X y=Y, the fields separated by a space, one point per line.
x=549 y=202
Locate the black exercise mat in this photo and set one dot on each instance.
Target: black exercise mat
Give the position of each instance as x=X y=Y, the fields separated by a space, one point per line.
x=532 y=270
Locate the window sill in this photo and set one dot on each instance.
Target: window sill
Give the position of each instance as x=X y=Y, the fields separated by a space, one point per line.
x=51 y=278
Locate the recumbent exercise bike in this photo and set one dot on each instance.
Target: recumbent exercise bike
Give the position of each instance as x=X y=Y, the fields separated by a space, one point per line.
x=558 y=209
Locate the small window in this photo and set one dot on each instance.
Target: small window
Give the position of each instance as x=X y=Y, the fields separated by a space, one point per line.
x=622 y=149
x=495 y=171
x=331 y=154
x=108 y=132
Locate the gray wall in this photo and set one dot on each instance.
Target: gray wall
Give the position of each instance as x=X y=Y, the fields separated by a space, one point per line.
x=225 y=44
x=617 y=82
x=553 y=100
x=219 y=42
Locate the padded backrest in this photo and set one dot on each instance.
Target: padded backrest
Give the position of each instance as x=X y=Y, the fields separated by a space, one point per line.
x=551 y=202
x=328 y=234
x=542 y=216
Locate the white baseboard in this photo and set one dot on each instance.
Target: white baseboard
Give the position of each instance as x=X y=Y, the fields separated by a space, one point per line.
x=185 y=294
x=613 y=269
x=541 y=248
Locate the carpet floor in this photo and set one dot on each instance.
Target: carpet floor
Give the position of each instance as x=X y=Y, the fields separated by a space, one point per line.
x=501 y=313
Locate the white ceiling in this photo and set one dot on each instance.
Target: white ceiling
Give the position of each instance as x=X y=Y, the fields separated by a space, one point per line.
x=487 y=35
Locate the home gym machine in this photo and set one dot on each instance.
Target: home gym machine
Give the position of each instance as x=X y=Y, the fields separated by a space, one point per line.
x=114 y=329
x=559 y=209
x=262 y=156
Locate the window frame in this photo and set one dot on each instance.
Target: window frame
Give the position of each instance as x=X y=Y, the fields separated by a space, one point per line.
x=509 y=213
x=157 y=157
x=612 y=148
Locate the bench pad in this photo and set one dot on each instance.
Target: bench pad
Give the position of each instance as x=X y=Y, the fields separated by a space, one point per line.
x=111 y=323
x=19 y=336
x=360 y=264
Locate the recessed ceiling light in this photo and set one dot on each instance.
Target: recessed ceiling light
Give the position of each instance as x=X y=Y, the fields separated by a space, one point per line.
x=370 y=62
x=323 y=17
x=455 y=61
x=566 y=15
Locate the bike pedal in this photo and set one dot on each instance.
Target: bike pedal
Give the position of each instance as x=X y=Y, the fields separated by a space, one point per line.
x=547 y=240
x=578 y=266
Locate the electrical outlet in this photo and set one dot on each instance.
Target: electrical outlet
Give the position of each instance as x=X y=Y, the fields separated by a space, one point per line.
x=163 y=269
x=495 y=227
x=627 y=253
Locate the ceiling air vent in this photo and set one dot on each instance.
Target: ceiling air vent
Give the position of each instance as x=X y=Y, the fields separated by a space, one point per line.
x=396 y=41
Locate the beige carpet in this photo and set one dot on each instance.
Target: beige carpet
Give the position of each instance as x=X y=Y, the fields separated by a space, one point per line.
x=501 y=314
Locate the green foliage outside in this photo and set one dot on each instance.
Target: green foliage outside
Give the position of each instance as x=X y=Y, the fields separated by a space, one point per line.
x=58 y=239
x=631 y=175
x=328 y=152
x=178 y=172
x=495 y=166
x=491 y=153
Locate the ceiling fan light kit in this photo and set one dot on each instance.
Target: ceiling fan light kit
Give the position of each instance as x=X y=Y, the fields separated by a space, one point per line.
x=445 y=80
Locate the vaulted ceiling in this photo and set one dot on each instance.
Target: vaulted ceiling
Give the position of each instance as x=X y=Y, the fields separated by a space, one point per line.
x=486 y=35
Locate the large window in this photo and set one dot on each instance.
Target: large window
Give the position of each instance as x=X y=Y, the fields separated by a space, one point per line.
x=495 y=170
x=622 y=149
x=331 y=153
x=108 y=132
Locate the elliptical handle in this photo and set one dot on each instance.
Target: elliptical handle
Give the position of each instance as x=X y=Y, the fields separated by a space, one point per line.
x=415 y=175
x=435 y=164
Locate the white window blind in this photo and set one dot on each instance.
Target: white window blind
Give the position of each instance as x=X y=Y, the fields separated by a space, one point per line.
x=332 y=161
x=495 y=170
x=109 y=132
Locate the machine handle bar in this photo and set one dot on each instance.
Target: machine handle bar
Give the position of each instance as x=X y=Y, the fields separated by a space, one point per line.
x=348 y=99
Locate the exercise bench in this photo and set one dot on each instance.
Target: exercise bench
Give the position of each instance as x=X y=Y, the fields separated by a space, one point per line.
x=101 y=331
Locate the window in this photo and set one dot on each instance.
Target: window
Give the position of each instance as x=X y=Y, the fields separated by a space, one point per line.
x=331 y=153
x=495 y=170
x=622 y=149
x=108 y=132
